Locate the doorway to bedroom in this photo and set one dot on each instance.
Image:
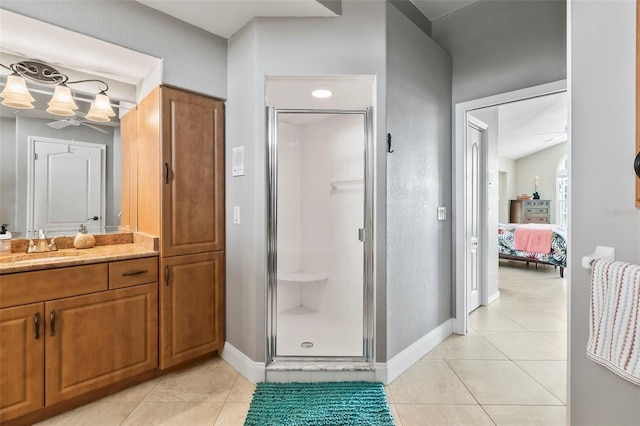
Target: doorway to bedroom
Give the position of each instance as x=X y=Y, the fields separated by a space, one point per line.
x=519 y=200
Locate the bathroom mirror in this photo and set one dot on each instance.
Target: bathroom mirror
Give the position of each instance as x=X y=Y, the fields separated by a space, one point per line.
x=74 y=142
x=57 y=172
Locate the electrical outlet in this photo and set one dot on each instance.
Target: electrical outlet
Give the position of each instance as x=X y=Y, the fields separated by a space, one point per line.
x=236 y=214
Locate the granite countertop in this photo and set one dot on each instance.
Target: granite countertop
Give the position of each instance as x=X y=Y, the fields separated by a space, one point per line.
x=22 y=262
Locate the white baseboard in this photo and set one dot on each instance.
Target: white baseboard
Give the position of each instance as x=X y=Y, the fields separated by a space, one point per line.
x=405 y=359
x=253 y=371
x=494 y=296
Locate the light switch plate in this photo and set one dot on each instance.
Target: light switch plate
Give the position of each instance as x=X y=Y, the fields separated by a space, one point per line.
x=442 y=213
x=236 y=214
x=237 y=168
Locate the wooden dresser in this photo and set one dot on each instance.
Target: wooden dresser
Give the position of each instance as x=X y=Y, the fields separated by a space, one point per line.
x=530 y=211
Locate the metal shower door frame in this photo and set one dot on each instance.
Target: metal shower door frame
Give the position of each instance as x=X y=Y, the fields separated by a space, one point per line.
x=272 y=242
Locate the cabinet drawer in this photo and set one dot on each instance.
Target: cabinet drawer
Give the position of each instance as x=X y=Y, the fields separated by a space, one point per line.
x=536 y=219
x=38 y=286
x=536 y=210
x=127 y=273
x=536 y=203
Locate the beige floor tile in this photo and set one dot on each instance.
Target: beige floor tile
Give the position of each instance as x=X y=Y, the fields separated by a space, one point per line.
x=174 y=413
x=241 y=391
x=509 y=303
x=485 y=319
x=233 y=414
x=560 y=313
x=470 y=346
x=387 y=394
x=501 y=382
x=550 y=374
x=394 y=413
x=95 y=414
x=523 y=345
x=557 y=339
x=194 y=385
x=430 y=382
x=442 y=415
x=537 y=321
x=514 y=415
x=136 y=393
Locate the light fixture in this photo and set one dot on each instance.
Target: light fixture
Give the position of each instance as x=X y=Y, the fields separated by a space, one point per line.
x=16 y=94
x=322 y=93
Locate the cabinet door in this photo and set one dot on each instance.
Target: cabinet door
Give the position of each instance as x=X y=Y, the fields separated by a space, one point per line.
x=191 y=307
x=193 y=173
x=21 y=360
x=96 y=340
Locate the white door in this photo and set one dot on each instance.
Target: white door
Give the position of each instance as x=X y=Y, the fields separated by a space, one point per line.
x=473 y=165
x=67 y=187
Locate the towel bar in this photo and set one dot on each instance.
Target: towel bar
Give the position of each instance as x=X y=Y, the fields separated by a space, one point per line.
x=602 y=252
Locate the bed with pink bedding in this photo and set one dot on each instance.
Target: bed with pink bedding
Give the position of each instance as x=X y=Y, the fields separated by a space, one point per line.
x=534 y=243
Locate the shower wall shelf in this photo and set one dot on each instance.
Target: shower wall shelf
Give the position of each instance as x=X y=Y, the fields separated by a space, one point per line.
x=302 y=277
x=346 y=184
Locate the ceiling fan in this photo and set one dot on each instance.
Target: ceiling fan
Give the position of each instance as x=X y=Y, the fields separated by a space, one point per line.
x=61 y=124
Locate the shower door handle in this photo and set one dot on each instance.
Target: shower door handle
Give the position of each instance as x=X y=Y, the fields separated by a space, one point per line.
x=362 y=234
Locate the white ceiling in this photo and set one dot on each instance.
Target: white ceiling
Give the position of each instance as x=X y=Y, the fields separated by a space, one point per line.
x=436 y=9
x=530 y=125
x=225 y=17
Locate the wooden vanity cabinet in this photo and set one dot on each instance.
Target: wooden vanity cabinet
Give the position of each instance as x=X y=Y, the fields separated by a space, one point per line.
x=21 y=360
x=78 y=337
x=180 y=196
x=181 y=171
x=191 y=307
x=99 y=339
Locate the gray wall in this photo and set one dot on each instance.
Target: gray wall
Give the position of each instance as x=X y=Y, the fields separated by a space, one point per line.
x=193 y=58
x=602 y=147
x=499 y=46
x=351 y=44
x=418 y=181
x=543 y=164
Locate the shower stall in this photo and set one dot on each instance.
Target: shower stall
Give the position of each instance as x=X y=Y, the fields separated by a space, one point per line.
x=320 y=263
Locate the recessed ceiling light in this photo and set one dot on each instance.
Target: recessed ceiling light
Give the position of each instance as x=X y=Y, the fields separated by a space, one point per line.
x=321 y=93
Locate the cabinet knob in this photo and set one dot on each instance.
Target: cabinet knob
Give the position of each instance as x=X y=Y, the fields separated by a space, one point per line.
x=166 y=275
x=636 y=165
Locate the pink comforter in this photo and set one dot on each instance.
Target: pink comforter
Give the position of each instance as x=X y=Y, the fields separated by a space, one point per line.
x=533 y=240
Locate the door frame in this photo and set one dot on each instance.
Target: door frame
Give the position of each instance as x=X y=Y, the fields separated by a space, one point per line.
x=460 y=198
x=272 y=243
x=31 y=176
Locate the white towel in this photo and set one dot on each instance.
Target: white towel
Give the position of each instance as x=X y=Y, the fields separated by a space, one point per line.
x=614 y=324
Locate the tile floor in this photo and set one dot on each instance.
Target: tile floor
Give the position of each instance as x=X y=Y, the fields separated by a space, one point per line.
x=509 y=370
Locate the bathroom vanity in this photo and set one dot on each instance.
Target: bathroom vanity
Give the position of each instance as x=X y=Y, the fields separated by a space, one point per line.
x=74 y=323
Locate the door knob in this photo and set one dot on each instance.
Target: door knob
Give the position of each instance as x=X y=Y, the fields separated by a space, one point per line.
x=94 y=218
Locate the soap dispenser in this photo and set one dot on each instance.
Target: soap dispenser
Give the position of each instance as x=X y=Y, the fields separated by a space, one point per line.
x=83 y=239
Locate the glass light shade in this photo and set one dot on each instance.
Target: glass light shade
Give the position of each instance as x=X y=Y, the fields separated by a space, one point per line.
x=17 y=104
x=16 y=94
x=100 y=109
x=62 y=102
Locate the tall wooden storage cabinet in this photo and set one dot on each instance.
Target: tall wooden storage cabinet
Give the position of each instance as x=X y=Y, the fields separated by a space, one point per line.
x=180 y=197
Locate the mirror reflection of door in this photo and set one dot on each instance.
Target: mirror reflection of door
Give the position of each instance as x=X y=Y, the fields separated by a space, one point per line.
x=67 y=188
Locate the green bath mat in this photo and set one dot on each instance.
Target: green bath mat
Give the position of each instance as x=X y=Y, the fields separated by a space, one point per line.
x=319 y=404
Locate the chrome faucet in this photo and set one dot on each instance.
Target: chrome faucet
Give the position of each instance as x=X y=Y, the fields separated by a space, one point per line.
x=41 y=244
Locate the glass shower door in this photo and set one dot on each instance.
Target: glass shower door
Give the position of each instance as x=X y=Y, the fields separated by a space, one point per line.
x=319 y=297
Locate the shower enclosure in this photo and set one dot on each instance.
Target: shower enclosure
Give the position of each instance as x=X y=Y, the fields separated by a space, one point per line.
x=320 y=291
